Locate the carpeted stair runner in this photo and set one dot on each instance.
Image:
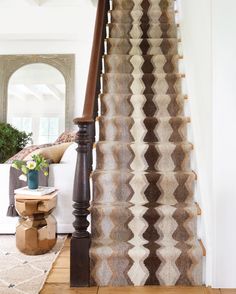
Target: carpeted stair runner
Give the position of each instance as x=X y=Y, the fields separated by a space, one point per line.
x=144 y=218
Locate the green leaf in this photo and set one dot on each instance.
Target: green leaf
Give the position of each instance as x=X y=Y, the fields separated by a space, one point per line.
x=11 y=141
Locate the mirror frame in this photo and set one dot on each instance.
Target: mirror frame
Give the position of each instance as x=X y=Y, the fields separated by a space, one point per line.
x=65 y=63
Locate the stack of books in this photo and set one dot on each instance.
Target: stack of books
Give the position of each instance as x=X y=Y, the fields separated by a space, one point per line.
x=44 y=192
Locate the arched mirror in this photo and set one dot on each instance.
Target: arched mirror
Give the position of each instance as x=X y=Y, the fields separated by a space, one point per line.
x=36 y=102
x=37 y=94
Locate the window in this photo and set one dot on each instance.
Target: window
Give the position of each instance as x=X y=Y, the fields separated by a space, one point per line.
x=22 y=123
x=36 y=102
x=48 y=129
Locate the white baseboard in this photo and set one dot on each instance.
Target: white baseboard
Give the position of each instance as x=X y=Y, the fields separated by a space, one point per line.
x=7 y=229
x=65 y=228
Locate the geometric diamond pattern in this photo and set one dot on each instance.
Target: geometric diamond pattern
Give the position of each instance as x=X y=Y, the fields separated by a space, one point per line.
x=143 y=214
x=20 y=273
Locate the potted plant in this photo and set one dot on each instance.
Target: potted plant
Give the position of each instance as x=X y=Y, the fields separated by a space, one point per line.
x=30 y=170
x=11 y=141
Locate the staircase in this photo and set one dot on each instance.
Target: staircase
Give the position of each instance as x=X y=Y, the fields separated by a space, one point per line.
x=143 y=213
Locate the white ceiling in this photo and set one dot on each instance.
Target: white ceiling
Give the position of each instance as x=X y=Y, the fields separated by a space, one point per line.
x=37 y=80
x=53 y=3
x=54 y=20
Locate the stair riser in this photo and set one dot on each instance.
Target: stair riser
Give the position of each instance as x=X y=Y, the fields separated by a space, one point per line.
x=150 y=130
x=169 y=224
x=142 y=106
x=143 y=188
x=120 y=264
x=137 y=16
x=143 y=5
x=141 y=64
x=143 y=157
x=136 y=31
x=142 y=46
x=141 y=84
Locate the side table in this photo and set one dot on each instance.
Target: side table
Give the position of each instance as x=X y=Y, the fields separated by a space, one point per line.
x=36 y=230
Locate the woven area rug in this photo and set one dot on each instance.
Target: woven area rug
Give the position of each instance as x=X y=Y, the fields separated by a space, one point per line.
x=20 y=273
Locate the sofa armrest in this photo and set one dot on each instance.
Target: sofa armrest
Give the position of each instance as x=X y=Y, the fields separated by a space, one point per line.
x=61 y=176
x=4 y=179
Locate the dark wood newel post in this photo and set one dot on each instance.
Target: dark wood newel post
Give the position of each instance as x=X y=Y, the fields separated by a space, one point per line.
x=91 y=134
x=80 y=241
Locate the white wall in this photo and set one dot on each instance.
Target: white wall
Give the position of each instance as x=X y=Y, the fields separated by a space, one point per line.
x=45 y=30
x=63 y=28
x=208 y=35
x=209 y=44
x=195 y=29
x=224 y=142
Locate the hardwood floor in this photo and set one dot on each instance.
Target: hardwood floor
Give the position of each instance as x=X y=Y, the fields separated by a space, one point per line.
x=58 y=282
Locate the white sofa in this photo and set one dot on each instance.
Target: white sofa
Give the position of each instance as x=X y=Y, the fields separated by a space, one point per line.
x=61 y=176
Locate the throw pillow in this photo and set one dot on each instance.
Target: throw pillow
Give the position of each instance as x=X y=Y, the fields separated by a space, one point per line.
x=52 y=153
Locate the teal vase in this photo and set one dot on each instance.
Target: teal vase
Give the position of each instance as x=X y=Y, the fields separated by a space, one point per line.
x=33 y=179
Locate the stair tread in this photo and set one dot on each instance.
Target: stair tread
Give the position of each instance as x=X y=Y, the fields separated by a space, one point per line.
x=137 y=118
x=199 y=210
x=119 y=172
x=117 y=143
x=141 y=39
x=142 y=25
x=148 y=96
x=127 y=56
x=202 y=247
x=192 y=243
x=156 y=75
x=181 y=207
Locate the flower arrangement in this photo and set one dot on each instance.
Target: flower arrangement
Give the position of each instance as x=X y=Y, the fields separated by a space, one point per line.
x=31 y=168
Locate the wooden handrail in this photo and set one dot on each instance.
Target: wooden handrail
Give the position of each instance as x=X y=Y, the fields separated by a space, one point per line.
x=80 y=241
x=94 y=67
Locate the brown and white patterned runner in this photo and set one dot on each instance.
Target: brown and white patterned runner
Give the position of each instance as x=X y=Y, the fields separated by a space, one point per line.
x=144 y=219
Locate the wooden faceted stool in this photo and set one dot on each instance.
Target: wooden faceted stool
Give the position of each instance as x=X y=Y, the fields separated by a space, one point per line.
x=36 y=230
